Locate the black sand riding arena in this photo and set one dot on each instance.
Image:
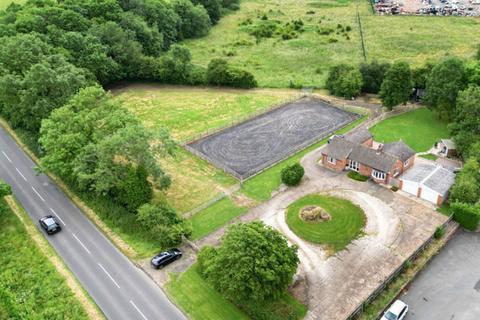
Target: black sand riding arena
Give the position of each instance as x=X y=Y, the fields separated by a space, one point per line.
x=247 y=148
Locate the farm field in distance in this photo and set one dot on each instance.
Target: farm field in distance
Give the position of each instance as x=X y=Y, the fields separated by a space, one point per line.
x=305 y=61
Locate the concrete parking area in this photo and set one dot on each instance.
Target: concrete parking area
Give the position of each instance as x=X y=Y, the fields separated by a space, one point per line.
x=449 y=287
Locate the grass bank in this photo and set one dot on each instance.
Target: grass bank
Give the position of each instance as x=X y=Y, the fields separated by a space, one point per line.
x=346 y=224
x=30 y=286
x=200 y=301
x=419 y=129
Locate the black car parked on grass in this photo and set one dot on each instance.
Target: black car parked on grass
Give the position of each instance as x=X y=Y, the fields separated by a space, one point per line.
x=166 y=257
x=50 y=224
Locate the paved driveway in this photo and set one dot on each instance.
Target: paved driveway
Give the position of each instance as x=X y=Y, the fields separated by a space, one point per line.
x=449 y=288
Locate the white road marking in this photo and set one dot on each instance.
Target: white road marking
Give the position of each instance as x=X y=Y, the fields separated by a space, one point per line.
x=21 y=174
x=136 y=308
x=6 y=157
x=38 y=194
x=81 y=243
x=108 y=274
x=56 y=215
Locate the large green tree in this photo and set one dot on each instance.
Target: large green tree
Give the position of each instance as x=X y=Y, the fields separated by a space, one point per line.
x=253 y=263
x=92 y=141
x=465 y=128
x=47 y=85
x=344 y=81
x=397 y=86
x=467 y=183
x=444 y=83
x=373 y=74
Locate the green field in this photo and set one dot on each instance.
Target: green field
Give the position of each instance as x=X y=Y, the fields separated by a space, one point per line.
x=346 y=224
x=214 y=217
x=5 y=3
x=30 y=287
x=306 y=59
x=419 y=129
x=189 y=111
x=200 y=301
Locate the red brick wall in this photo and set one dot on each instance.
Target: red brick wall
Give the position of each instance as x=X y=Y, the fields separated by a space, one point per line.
x=365 y=170
x=338 y=166
x=439 y=200
x=368 y=143
x=410 y=163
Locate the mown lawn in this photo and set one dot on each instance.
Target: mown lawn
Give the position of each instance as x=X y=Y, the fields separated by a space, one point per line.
x=429 y=156
x=261 y=186
x=200 y=301
x=306 y=59
x=30 y=287
x=346 y=224
x=214 y=217
x=419 y=129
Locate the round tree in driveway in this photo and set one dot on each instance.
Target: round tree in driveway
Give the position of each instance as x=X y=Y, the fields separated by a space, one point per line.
x=292 y=175
x=253 y=263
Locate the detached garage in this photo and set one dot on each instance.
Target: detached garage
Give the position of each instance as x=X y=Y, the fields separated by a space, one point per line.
x=428 y=181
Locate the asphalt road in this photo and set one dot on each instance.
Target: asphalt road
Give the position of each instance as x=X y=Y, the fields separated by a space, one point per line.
x=120 y=289
x=449 y=287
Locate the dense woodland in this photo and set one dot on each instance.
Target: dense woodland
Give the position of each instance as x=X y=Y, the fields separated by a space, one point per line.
x=55 y=60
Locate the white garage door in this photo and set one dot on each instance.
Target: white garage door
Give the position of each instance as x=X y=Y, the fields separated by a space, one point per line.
x=410 y=187
x=429 y=194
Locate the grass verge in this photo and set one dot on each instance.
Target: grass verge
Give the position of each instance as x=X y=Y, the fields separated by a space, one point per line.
x=419 y=128
x=261 y=186
x=34 y=282
x=377 y=305
x=200 y=301
x=214 y=217
x=346 y=224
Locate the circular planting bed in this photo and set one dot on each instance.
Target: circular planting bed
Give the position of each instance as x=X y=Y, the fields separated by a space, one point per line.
x=326 y=220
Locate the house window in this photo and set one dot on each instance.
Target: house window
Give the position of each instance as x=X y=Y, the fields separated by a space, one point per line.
x=405 y=163
x=331 y=160
x=354 y=165
x=379 y=175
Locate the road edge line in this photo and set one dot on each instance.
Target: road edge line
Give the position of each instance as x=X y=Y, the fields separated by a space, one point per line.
x=89 y=305
x=119 y=243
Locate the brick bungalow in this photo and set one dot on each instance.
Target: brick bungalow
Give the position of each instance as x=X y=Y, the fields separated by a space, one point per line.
x=355 y=151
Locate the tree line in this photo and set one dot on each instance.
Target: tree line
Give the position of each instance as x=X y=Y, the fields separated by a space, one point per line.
x=452 y=89
x=55 y=59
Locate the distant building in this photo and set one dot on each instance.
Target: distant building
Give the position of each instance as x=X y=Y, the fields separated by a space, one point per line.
x=446 y=148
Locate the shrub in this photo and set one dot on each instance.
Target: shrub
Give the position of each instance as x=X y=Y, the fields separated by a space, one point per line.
x=357 y=176
x=394 y=188
x=5 y=189
x=163 y=224
x=221 y=74
x=466 y=215
x=439 y=232
x=134 y=189
x=292 y=175
x=344 y=81
x=372 y=75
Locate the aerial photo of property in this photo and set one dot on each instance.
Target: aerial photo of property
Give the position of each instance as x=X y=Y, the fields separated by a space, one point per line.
x=239 y=159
